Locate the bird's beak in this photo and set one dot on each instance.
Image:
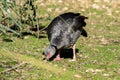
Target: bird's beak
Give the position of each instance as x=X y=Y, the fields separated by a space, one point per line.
x=48 y=56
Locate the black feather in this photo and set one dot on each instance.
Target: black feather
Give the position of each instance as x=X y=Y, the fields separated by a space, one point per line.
x=65 y=29
x=84 y=33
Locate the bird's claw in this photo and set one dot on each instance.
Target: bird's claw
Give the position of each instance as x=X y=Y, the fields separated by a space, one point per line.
x=57 y=59
x=73 y=60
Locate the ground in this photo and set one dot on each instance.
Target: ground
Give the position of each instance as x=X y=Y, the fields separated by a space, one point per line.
x=98 y=55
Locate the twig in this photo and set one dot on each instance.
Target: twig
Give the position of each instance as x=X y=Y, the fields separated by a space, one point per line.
x=13 y=68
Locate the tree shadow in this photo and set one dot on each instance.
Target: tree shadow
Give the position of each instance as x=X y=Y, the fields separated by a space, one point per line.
x=42 y=35
x=35 y=31
x=38 y=32
x=7 y=40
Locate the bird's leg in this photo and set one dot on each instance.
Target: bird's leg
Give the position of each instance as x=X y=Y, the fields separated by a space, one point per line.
x=58 y=56
x=74 y=55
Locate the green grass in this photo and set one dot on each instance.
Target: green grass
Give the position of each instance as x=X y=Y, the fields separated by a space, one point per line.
x=56 y=71
x=98 y=57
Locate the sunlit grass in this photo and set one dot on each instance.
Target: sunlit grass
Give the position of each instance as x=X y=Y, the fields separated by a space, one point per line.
x=98 y=56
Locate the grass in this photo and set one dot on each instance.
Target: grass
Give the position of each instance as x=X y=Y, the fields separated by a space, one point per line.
x=57 y=71
x=98 y=56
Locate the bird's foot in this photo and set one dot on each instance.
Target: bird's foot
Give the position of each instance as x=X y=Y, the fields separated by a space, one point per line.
x=73 y=60
x=57 y=59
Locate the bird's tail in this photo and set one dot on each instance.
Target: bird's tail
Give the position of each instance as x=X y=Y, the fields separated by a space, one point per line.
x=84 y=33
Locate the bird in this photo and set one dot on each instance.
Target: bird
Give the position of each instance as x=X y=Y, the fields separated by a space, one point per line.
x=63 y=32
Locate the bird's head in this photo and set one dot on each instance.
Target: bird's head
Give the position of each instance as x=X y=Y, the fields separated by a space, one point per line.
x=49 y=52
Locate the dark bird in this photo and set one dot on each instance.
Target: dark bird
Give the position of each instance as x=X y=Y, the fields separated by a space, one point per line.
x=63 y=32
